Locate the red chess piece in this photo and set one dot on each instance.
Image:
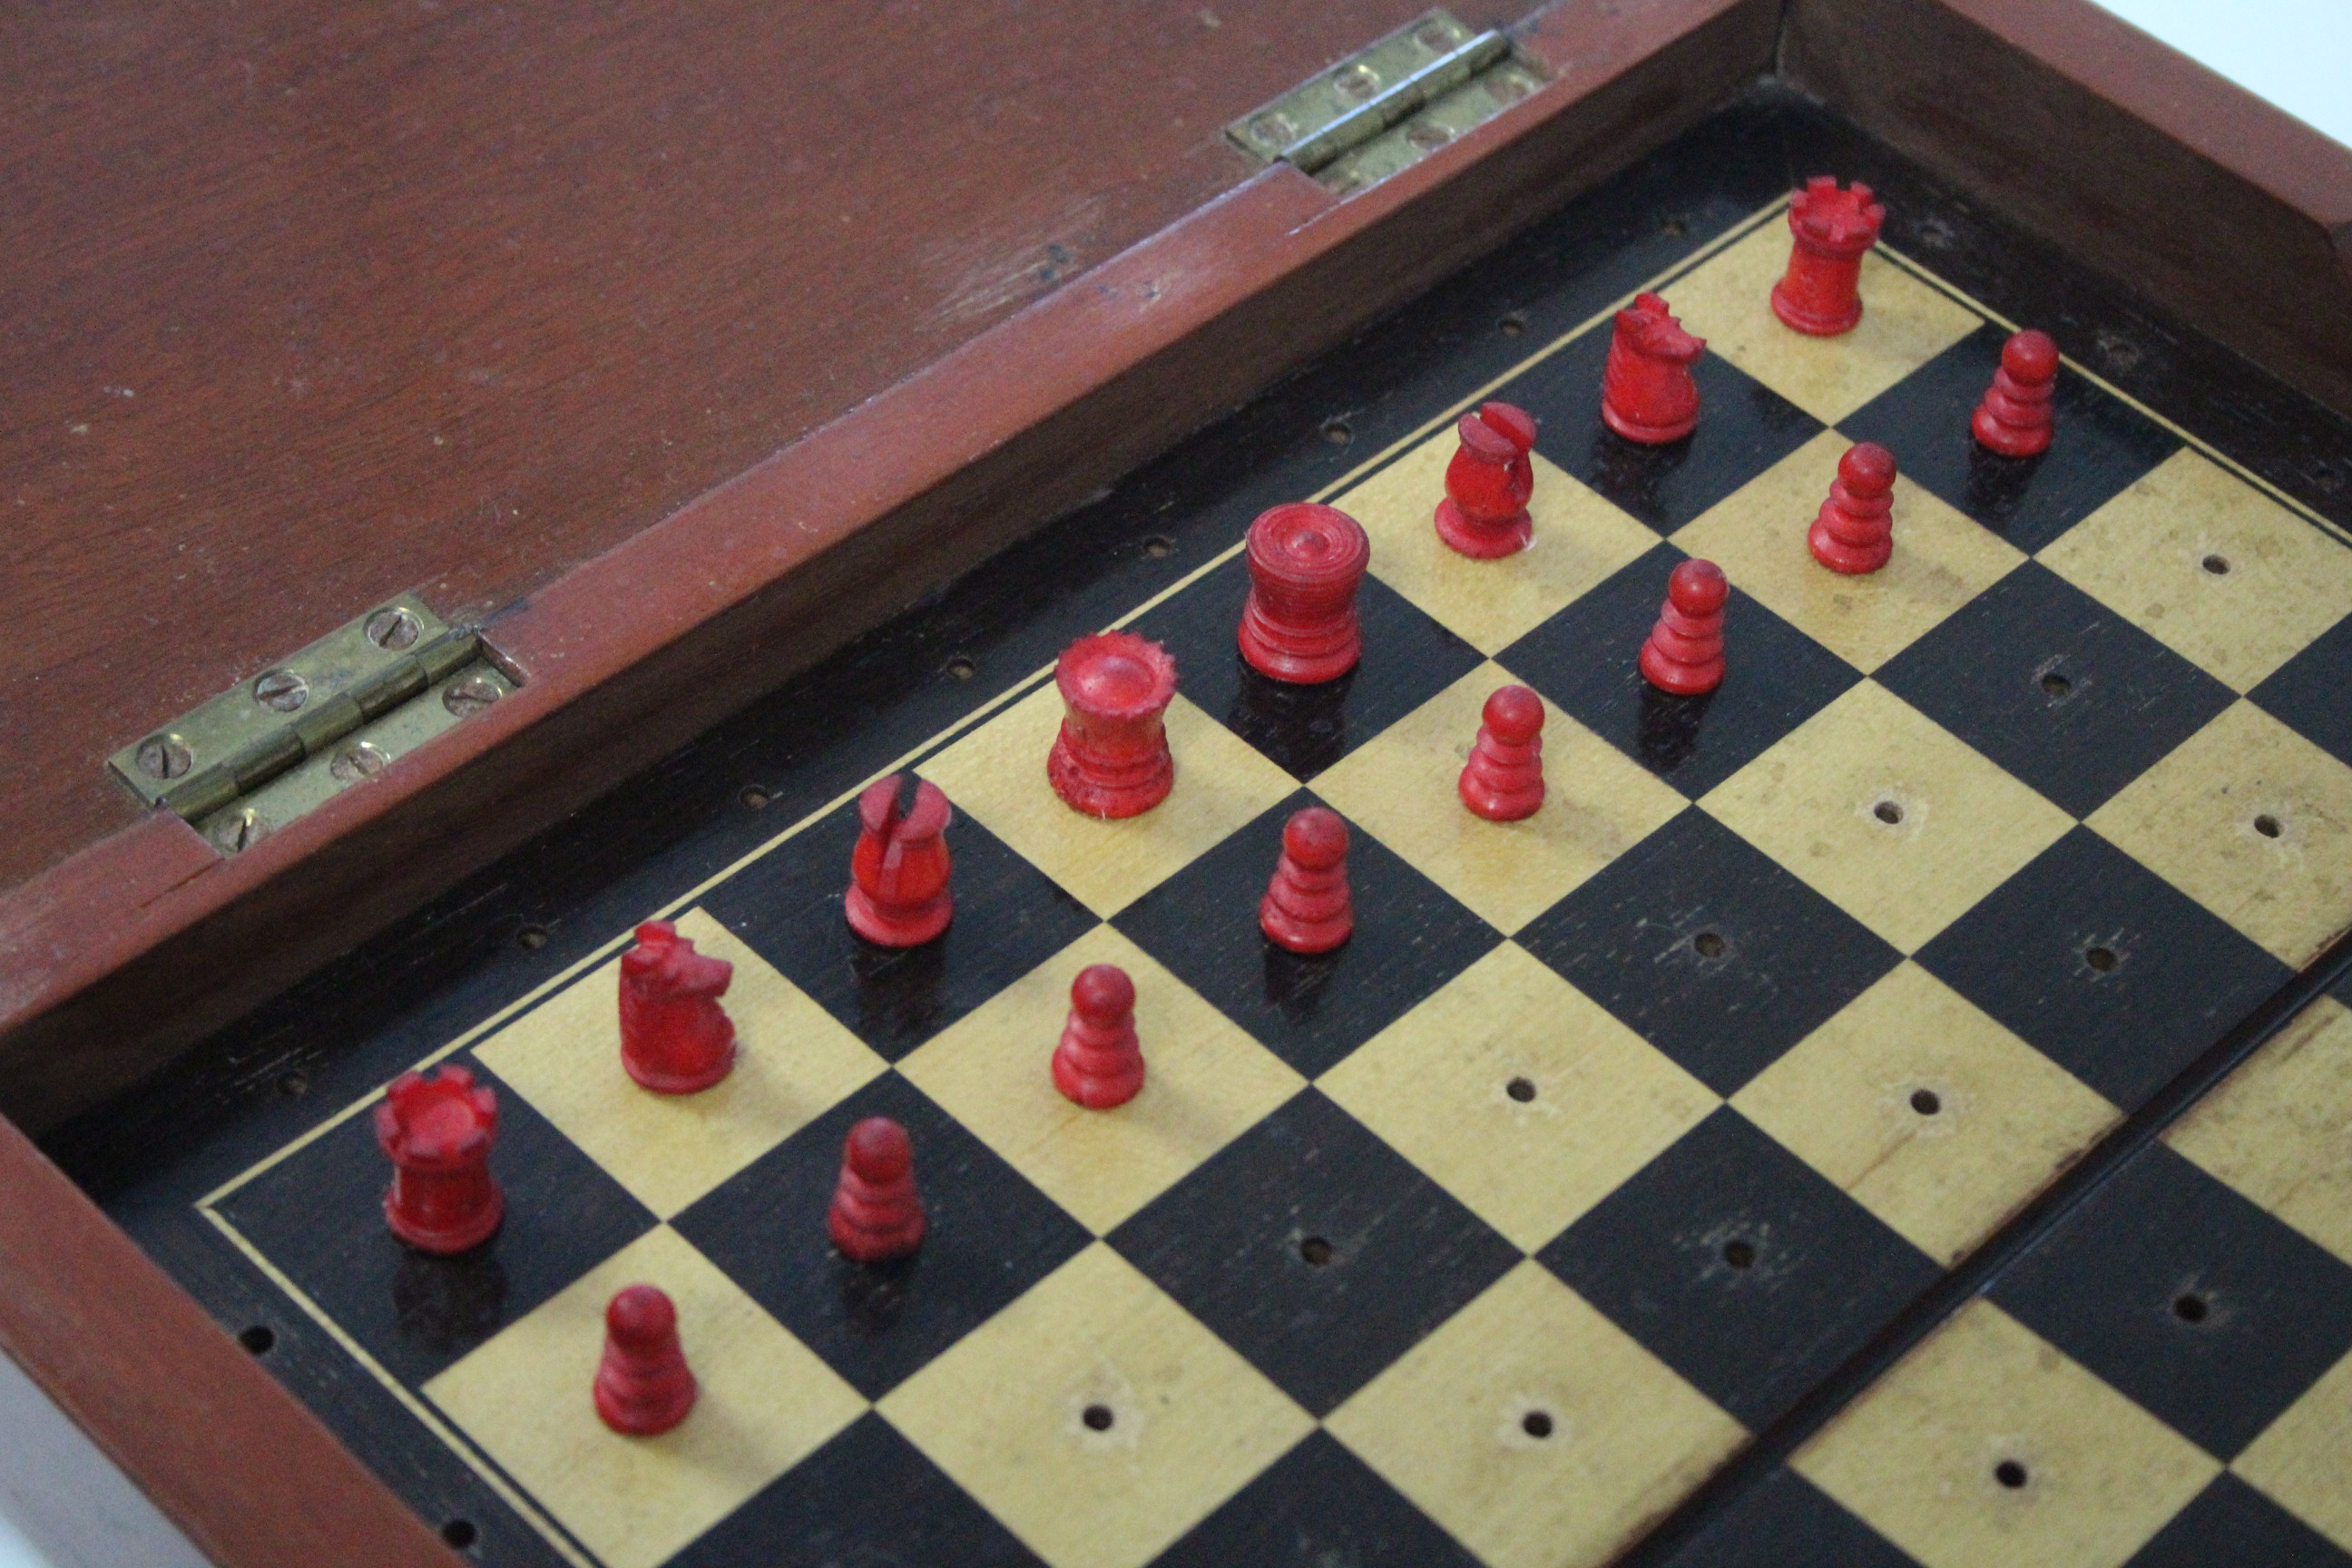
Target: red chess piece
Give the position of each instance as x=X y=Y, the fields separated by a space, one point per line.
x=1111 y=757
x=1504 y=781
x=877 y=1214
x=1307 y=908
x=1646 y=391
x=1484 y=513
x=2014 y=417
x=1685 y=653
x=1099 y=1062
x=674 y=1036
x=643 y=1384
x=1305 y=563
x=898 y=894
x=1854 y=532
x=438 y=1130
x=1821 y=294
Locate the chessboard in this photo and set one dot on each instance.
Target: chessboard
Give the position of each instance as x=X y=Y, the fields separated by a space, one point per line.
x=1548 y=1207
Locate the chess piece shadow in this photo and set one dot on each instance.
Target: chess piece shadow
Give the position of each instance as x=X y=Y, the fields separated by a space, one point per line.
x=1666 y=728
x=873 y=1296
x=449 y=1305
x=1633 y=475
x=1997 y=486
x=1304 y=729
x=1295 y=982
x=901 y=990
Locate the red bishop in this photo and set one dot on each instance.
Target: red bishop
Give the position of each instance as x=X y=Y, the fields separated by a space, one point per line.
x=2014 y=418
x=643 y=1384
x=437 y=1129
x=1504 y=779
x=1647 y=394
x=1308 y=907
x=1099 y=1062
x=1110 y=758
x=1305 y=561
x=898 y=894
x=1854 y=531
x=877 y=1214
x=1821 y=294
x=1685 y=652
x=675 y=1038
x=1484 y=513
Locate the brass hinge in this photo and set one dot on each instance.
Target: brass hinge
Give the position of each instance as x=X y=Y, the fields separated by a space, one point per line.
x=1387 y=105
x=267 y=751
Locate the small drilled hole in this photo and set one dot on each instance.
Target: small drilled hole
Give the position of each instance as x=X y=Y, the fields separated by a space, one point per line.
x=1512 y=325
x=2101 y=959
x=960 y=668
x=461 y=1534
x=1158 y=547
x=1521 y=1090
x=1887 y=812
x=2010 y=1473
x=1536 y=1423
x=1925 y=1102
x=1708 y=944
x=1337 y=431
x=2190 y=1308
x=755 y=797
x=295 y=1084
x=1098 y=1417
x=259 y=1340
x=1738 y=1254
x=2056 y=685
x=532 y=938
x=1316 y=1250
x=2267 y=826
x=2217 y=564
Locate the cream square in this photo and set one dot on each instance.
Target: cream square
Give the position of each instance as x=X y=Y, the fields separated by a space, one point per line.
x=1537 y=1431
x=1888 y=814
x=1580 y=541
x=1004 y=1412
x=1402 y=786
x=1926 y=1111
x=2150 y=555
x=2253 y=822
x=792 y=1064
x=1942 y=558
x=2300 y=1462
x=766 y=1402
x=1727 y=301
x=996 y=775
x=1916 y=1456
x=2278 y=1129
x=1205 y=1082
x=1519 y=1095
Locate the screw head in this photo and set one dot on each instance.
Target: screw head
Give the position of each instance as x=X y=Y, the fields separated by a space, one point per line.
x=281 y=691
x=393 y=628
x=237 y=829
x=360 y=760
x=469 y=696
x=164 y=757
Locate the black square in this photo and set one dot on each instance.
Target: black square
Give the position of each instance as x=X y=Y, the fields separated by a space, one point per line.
x=1317 y=1507
x=1587 y=659
x=1315 y=1250
x=2231 y=1522
x=2100 y=445
x=1302 y=730
x=1703 y=945
x=1785 y=1521
x=1009 y=917
x=2188 y=1299
x=1739 y=1267
x=318 y=1215
x=868 y=1496
x=2056 y=687
x=1744 y=428
x=2103 y=966
x=1310 y=1010
x=990 y=1236
x=2307 y=693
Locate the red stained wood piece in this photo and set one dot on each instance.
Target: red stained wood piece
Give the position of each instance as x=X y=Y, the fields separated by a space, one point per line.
x=1683 y=654
x=2014 y=419
x=1503 y=781
x=898 y=893
x=676 y=1036
x=1484 y=513
x=437 y=1129
x=876 y=1213
x=1306 y=907
x=1306 y=561
x=1110 y=758
x=1821 y=294
x=1646 y=391
x=643 y=1384
x=1099 y=1062
x=1854 y=531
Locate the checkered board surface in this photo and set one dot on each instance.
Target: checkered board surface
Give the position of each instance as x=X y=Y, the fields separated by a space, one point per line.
x=1487 y=1237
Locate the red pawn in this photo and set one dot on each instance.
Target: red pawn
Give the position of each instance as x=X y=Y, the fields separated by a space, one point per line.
x=1111 y=757
x=1484 y=513
x=2014 y=417
x=438 y=1132
x=1504 y=781
x=674 y=1036
x=877 y=1214
x=1821 y=294
x=898 y=894
x=1099 y=1062
x=1305 y=563
x=1854 y=531
x=1685 y=653
x=643 y=1384
x=1646 y=391
x=1307 y=908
